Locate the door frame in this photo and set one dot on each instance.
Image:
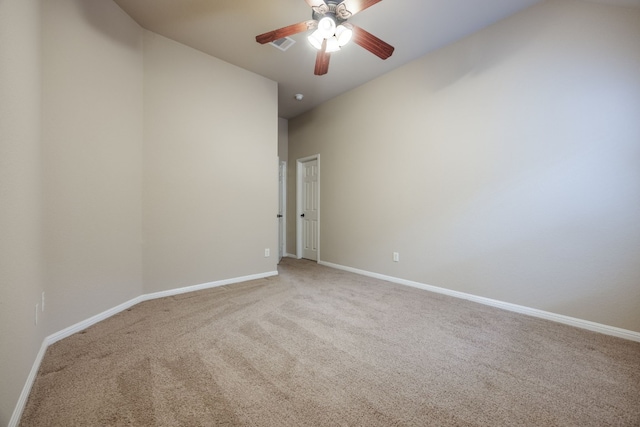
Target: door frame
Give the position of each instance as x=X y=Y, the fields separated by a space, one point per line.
x=282 y=208
x=299 y=169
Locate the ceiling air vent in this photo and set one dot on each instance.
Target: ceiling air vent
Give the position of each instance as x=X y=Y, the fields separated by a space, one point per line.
x=283 y=43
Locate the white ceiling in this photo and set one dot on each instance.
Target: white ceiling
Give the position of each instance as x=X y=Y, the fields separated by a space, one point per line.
x=226 y=29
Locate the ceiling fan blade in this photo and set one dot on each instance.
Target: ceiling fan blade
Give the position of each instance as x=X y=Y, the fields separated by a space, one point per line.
x=322 y=61
x=370 y=42
x=355 y=6
x=286 y=31
x=315 y=3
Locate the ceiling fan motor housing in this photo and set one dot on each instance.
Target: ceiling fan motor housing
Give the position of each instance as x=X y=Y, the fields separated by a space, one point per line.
x=337 y=11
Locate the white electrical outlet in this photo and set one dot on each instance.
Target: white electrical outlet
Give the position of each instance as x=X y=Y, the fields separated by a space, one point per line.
x=42 y=302
x=267 y=252
x=396 y=257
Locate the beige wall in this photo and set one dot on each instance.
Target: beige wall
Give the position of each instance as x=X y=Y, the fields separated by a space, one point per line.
x=283 y=139
x=20 y=195
x=505 y=166
x=210 y=169
x=120 y=163
x=92 y=128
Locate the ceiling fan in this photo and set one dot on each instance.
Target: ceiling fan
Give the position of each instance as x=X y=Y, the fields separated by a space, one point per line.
x=331 y=31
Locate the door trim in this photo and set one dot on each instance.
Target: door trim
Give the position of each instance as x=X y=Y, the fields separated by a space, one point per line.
x=282 y=208
x=299 y=163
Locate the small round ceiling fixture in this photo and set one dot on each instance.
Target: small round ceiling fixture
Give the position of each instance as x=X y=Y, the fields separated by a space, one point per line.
x=299 y=96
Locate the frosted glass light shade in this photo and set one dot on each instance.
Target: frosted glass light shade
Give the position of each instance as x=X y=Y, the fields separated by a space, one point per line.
x=343 y=35
x=332 y=45
x=327 y=27
x=316 y=39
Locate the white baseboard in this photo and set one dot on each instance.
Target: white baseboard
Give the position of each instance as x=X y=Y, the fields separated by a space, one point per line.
x=66 y=332
x=215 y=284
x=24 y=396
x=22 y=400
x=579 y=323
x=146 y=297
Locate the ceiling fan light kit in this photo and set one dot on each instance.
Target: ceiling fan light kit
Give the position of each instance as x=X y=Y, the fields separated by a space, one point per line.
x=331 y=31
x=335 y=40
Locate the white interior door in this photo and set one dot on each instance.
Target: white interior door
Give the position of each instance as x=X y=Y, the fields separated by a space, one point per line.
x=309 y=212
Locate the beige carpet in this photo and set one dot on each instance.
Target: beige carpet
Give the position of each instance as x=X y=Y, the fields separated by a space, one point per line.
x=316 y=346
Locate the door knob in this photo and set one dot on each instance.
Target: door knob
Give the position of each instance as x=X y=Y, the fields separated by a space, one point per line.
x=302 y=216
x=278 y=216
